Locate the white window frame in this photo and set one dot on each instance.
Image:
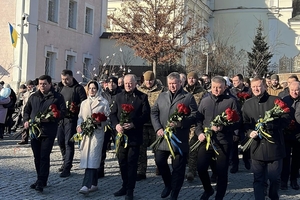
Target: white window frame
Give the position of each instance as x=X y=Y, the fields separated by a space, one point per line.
x=297 y=40
x=85 y=68
x=90 y=28
x=53 y=58
x=56 y=11
x=75 y=14
x=71 y=59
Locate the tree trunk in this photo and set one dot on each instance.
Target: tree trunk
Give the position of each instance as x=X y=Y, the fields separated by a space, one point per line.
x=154 y=67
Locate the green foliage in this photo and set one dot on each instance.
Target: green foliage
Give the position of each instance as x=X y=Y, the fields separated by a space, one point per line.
x=259 y=58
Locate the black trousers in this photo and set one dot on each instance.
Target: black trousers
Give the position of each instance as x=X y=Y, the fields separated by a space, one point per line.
x=175 y=178
x=235 y=154
x=42 y=148
x=90 y=178
x=290 y=169
x=271 y=170
x=128 y=159
x=107 y=139
x=65 y=131
x=221 y=170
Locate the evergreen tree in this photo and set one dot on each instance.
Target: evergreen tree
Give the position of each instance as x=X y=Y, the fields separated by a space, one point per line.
x=259 y=58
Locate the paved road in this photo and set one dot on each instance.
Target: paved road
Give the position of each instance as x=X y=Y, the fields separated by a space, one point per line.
x=17 y=173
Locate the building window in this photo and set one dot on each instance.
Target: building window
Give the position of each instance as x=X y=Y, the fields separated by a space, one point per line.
x=298 y=40
x=89 y=20
x=72 y=14
x=53 y=10
x=70 y=62
x=50 y=63
x=87 y=62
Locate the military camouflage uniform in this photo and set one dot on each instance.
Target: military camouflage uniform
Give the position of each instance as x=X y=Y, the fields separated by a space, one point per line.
x=198 y=92
x=149 y=135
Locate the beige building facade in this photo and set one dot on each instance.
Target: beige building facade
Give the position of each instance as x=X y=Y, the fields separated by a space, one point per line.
x=56 y=35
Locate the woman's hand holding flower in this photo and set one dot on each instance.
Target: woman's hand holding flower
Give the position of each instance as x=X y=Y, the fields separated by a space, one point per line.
x=79 y=130
x=119 y=128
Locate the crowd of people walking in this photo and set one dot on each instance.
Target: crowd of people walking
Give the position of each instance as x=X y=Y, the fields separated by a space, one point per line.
x=190 y=120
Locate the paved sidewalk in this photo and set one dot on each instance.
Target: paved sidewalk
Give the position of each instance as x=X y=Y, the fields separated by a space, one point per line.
x=17 y=173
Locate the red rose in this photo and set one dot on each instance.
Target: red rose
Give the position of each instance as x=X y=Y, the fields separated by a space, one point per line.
x=286 y=109
x=232 y=115
x=53 y=107
x=127 y=108
x=56 y=114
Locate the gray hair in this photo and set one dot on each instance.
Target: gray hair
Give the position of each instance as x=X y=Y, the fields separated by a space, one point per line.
x=132 y=76
x=174 y=75
x=218 y=79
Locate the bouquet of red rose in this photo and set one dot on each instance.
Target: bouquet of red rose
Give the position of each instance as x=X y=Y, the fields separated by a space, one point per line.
x=243 y=96
x=72 y=109
x=180 y=112
x=89 y=125
x=51 y=114
x=277 y=111
x=124 y=118
x=224 y=119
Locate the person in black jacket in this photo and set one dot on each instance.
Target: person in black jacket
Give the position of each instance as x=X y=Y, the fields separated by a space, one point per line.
x=291 y=163
x=128 y=157
x=211 y=106
x=165 y=106
x=266 y=157
x=239 y=135
x=111 y=90
x=41 y=146
x=74 y=93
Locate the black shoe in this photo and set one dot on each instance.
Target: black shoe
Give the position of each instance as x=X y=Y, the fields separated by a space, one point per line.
x=140 y=177
x=234 y=170
x=247 y=165
x=61 y=168
x=206 y=195
x=129 y=195
x=39 y=187
x=33 y=186
x=65 y=174
x=294 y=185
x=22 y=142
x=166 y=192
x=213 y=178
x=121 y=192
x=283 y=186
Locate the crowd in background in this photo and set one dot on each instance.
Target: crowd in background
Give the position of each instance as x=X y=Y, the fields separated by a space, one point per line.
x=274 y=165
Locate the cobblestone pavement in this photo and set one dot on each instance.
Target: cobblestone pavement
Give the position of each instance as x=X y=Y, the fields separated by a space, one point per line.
x=17 y=173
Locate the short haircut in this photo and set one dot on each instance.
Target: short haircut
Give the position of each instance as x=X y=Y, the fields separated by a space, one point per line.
x=259 y=78
x=95 y=83
x=46 y=77
x=240 y=77
x=132 y=76
x=294 y=76
x=218 y=79
x=174 y=75
x=66 y=72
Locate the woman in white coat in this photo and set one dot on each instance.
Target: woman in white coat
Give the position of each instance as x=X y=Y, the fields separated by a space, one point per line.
x=91 y=147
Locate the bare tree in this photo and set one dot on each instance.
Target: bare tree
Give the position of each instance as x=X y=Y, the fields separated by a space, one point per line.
x=157 y=30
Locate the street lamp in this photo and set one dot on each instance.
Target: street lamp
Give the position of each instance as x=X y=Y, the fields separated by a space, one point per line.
x=206 y=50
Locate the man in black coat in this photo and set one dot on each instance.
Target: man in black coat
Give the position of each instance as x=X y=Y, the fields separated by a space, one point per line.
x=165 y=106
x=112 y=90
x=239 y=135
x=74 y=93
x=222 y=138
x=41 y=146
x=266 y=157
x=291 y=163
x=128 y=157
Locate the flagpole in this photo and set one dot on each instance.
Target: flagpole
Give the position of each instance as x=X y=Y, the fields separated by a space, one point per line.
x=21 y=46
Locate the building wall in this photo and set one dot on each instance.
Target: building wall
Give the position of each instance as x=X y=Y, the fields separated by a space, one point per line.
x=7 y=14
x=238 y=19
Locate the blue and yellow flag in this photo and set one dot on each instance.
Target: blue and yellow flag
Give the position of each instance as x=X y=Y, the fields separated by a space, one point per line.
x=13 y=35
